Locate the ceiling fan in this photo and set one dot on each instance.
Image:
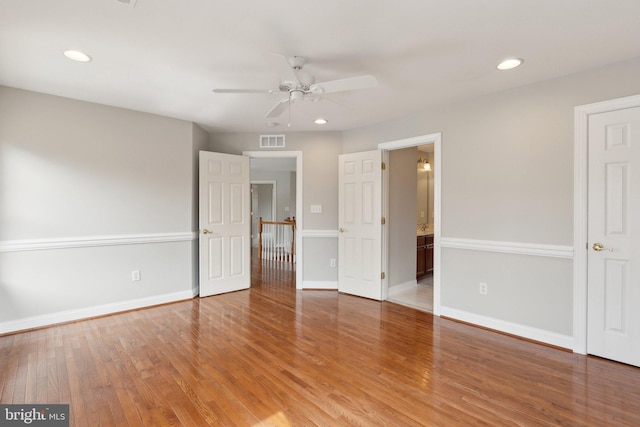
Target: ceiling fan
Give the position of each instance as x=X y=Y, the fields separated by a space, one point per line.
x=296 y=84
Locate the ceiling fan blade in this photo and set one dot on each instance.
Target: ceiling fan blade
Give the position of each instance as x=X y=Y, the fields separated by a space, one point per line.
x=243 y=91
x=350 y=83
x=279 y=108
x=283 y=68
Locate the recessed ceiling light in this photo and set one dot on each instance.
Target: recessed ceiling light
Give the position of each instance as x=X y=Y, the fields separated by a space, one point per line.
x=76 y=55
x=321 y=121
x=510 y=63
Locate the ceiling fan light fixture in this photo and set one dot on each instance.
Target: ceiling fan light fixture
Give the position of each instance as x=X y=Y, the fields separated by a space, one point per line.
x=320 y=121
x=76 y=55
x=510 y=63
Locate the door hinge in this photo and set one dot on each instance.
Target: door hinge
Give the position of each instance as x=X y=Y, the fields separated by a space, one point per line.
x=384 y=166
x=382 y=275
x=383 y=221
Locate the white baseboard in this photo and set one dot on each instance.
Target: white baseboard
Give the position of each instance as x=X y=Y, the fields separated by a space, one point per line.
x=84 y=313
x=309 y=284
x=395 y=290
x=540 y=335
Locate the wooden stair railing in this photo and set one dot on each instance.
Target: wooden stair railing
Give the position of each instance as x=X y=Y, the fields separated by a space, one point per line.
x=277 y=240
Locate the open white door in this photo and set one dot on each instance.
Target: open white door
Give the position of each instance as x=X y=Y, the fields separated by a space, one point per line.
x=613 y=326
x=225 y=223
x=360 y=222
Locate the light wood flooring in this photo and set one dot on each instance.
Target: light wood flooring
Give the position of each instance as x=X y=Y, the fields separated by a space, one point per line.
x=275 y=356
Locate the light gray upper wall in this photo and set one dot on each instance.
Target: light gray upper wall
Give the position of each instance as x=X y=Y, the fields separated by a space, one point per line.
x=320 y=151
x=507 y=158
x=402 y=209
x=200 y=142
x=283 y=191
x=71 y=168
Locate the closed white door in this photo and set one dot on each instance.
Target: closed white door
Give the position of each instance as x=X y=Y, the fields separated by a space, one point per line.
x=225 y=223
x=613 y=326
x=359 y=218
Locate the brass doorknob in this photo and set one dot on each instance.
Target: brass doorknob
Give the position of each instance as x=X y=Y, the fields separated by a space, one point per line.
x=600 y=247
x=341 y=230
x=205 y=231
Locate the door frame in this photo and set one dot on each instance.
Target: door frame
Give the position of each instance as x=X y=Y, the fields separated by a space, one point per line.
x=580 y=210
x=299 y=192
x=436 y=140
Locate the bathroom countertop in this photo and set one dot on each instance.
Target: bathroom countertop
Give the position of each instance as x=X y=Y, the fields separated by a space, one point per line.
x=426 y=232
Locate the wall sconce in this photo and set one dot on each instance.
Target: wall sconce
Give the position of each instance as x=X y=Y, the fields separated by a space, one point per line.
x=424 y=165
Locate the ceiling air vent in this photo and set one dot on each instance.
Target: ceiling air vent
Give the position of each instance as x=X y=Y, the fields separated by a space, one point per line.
x=130 y=3
x=271 y=141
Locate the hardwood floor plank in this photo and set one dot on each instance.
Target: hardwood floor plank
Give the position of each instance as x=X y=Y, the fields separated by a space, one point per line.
x=272 y=355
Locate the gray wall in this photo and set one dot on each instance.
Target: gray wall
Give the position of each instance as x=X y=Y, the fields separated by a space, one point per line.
x=507 y=175
x=283 y=191
x=73 y=171
x=402 y=209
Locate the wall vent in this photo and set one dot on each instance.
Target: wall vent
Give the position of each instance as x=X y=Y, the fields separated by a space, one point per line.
x=271 y=141
x=130 y=3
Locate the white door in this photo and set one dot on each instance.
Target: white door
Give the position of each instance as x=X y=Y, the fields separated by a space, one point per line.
x=359 y=218
x=225 y=223
x=613 y=326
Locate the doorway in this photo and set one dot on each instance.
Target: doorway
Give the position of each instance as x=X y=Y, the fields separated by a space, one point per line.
x=411 y=219
x=428 y=142
x=286 y=166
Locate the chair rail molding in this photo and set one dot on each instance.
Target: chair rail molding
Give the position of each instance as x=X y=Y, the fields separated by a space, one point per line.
x=94 y=241
x=534 y=249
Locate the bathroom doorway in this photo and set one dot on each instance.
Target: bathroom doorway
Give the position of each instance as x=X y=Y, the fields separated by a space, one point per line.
x=412 y=206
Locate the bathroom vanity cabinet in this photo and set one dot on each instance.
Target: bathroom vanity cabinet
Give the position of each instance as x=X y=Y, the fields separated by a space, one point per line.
x=424 y=255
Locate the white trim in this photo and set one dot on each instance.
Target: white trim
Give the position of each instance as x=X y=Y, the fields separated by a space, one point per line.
x=299 y=195
x=410 y=142
x=91 y=241
x=310 y=284
x=580 y=210
x=319 y=233
x=436 y=140
x=84 y=313
x=540 y=335
x=534 y=249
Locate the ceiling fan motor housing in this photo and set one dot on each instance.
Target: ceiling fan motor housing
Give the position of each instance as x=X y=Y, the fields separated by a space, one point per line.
x=296 y=94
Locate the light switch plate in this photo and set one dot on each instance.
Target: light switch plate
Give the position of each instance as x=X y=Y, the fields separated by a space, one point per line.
x=316 y=208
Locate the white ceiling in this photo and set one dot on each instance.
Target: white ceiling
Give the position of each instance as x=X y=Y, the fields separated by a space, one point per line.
x=165 y=56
